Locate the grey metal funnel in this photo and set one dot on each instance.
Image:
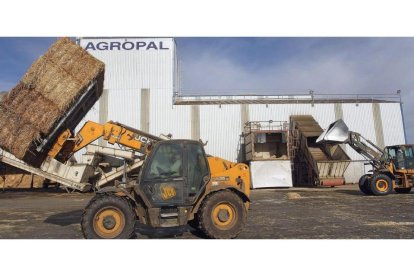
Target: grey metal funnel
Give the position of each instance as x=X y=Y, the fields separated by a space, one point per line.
x=336 y=133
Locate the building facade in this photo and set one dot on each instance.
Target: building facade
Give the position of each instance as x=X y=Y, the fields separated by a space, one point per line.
x=142 y=90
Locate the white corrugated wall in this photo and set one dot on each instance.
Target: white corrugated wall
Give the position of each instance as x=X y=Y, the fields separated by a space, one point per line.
x=166 y=118
x=221 y=127
x=392 y=123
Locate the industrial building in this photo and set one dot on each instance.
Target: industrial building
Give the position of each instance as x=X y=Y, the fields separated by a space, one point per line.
x=142 y=89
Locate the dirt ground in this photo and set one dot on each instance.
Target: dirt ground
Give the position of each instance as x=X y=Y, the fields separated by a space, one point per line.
x=297 y=213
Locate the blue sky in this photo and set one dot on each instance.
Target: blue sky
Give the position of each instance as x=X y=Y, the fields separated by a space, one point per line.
x=268 y=65
x=16 y=55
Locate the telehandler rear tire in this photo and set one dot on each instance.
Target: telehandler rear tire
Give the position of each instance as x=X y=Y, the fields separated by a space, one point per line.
x=380 y=184
x=402 y=190
x=364 y=185
x=222 y=215
x=108 y=216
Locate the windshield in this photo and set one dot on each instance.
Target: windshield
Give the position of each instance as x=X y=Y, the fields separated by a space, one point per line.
x=167 y=162
x=401 y=156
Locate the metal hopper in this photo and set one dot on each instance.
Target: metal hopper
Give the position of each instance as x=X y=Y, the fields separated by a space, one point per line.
x=336 y=133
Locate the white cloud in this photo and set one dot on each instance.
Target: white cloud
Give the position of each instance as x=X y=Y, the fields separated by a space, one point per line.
x=368 y=66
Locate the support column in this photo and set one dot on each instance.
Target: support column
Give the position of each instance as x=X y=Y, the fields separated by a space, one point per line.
x=244 y=118
x=339 y=113
x=145 y=110
x=195 y=122
x=379 y=131
x=244 y=115
x=103 y=113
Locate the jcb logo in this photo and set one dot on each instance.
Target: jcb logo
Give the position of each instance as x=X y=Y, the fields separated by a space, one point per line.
x=142 y=139
x=167 y=192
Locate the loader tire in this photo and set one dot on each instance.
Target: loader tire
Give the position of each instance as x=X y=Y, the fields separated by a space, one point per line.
x=381 y=184
x=364 y=184
x=402 y=190
x=108 y=216
x=222 y=215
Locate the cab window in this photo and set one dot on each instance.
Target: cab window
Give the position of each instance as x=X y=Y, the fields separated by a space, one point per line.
x=392 y=154
x=409 y=152
x=166 y=162
x=409 y=155
x=197 y=167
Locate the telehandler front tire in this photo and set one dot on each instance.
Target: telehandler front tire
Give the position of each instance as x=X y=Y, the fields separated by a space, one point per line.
x=108 y=216
x=364 y=184
x=381 y=184
x=222 y=215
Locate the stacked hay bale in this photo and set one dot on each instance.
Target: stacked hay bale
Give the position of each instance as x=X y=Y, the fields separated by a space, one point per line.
x=31 y=110
x=13 y=178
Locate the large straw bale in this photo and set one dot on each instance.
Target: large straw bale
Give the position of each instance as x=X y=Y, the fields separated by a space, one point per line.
x=46 y=92
x=16 y=135
x=33 y=108
x=14 y=178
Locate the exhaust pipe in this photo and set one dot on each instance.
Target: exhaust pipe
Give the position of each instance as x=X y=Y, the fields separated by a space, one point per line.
x=336 y=133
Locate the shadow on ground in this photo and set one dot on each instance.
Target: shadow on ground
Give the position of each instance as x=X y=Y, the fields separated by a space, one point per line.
x=350 y=192
x=166 y=233
x=24 y=193
x=74 y=217
x=65 y=219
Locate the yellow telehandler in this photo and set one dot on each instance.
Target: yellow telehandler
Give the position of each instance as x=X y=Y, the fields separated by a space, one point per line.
x=177 y=184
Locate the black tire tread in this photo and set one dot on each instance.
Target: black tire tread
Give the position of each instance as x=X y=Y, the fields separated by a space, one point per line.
x=205 y=224
x=100 y=199
x=363 y=184
x=374 y=178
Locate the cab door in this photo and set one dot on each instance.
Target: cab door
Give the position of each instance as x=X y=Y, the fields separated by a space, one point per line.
x=164 y=179
x=198 y=172
x=175 y=173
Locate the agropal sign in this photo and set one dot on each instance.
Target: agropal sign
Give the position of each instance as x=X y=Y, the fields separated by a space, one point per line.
x=125 y=45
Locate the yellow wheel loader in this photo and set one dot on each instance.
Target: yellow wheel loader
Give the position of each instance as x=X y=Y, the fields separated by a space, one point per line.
x=177 y=184
x=392 y=167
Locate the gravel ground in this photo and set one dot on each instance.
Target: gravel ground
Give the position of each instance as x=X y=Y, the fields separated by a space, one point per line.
x=297 y=213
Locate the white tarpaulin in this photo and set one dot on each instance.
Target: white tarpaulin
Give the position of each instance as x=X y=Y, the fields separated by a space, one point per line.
x=271 y=174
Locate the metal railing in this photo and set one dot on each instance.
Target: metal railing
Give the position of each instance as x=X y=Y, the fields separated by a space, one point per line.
x=270 y=125
x=236 y=97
